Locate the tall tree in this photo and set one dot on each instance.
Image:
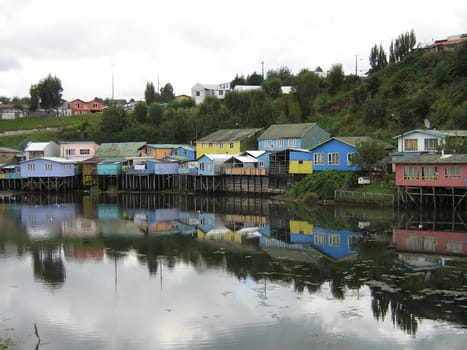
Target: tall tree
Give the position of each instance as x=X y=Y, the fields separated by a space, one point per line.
x=377 y=58
x=114 y=120
x=150 y=94
x=238 y=80
x=167 y=93
x=254 y=79
x=305 y=91
x=335 y=78
x=47 y=93
x=272 y=86
x=141 y=111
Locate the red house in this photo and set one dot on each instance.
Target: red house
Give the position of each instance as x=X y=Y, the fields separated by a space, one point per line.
x=432 y=170
x=80 y=107
x=439 y=242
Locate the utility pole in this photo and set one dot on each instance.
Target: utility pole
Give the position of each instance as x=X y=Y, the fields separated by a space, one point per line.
x=262 y=69
x=112 y=70
x=356 y=67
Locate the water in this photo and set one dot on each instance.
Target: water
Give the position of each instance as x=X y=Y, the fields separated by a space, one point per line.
x=139 y=272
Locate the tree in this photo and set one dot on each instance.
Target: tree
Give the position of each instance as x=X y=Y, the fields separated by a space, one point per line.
x=150 y=94
x=167 y=93
x=377 y=58
x=272 y=86
x=335 y=78
x=254 y=79
x=369 y=155
x=47 y=93
x=114 y=120
x=155 y=112
x=305 y=90
x=238 y=80
x=141 y=111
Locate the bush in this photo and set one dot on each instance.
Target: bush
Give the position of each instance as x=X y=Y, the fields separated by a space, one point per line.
x=321 y=185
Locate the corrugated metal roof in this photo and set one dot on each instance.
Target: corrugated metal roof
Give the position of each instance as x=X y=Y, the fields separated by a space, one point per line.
x=432 y=158
x=164 y=145
x=434 y=132
x=287 y=130
x=121 y=149
x=225 y=135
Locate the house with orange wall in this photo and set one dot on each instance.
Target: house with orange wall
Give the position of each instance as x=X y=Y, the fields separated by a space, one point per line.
x=81 y=107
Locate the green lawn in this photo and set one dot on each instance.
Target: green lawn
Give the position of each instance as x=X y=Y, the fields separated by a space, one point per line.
x=28 y=123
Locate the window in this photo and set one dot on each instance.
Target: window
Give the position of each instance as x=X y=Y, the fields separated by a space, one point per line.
x=84 y=152
x=94 y=105
x=429 y=173
x=209 y=167
x=292 y=142
x=221 y=146
x=232 y=145
x=280 y=142
x=411 y=173
x=410 y=145
x=320 y=238
x=31 y=167
x=70 y=152
x=48 y=166
x=349 y=158
x=300 y=162
x=333 y=159
x=454 y=246
x=267 y=143
x=77 y=105
x=221 y=92
x=203 y=145
x=431 y=144
x=318 y=158
x=198 y=93
x=335 y=240
x=453 y=172
x=210 y=145
x=261 y=164
x=430 y=244
x=201 y=166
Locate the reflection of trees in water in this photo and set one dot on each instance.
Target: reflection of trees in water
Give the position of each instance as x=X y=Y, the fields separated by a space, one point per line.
x=48 y=266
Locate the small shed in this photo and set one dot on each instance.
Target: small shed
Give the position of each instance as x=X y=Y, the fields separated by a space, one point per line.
x=109 y=167
x=212 y=164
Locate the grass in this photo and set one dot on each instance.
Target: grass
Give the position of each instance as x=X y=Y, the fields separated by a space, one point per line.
x=29 y=123
x=18 y=141
x=383 y=187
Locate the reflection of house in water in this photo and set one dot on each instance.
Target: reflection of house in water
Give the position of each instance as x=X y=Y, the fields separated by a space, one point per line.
x=114 y=222
x=156 y=222
x=46 y=221
x=425 y=241
x=79 y=227
x=335 y=244
x=314 y=242
x=83 y=252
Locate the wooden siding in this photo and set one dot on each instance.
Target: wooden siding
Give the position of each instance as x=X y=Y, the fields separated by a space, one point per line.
x=414 y=175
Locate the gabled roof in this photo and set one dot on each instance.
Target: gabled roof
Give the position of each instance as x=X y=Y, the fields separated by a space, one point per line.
x=287 y=130
x=354 y=141
x=121 y=149
x=254 y=154
x=226 y=135
x=215 y=157
x=432 y=158
x=36 y=146
x=434 y=133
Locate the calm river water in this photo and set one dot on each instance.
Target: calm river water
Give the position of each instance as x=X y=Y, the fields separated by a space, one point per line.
x=162 y=272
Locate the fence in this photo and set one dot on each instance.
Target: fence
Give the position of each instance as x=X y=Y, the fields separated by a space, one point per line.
x=363 y=197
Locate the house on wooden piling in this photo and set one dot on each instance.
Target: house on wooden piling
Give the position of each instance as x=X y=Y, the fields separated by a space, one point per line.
x=41 y=149
x=113 y=157
x=228 y=141
x=287 y=136
x=291 y=161
x=160 y=167
x=160 y=151
x=49 y=167
x=212 y=164
x=242 y=165
x=432 y=170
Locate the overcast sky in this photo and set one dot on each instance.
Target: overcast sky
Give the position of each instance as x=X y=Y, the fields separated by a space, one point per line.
x=86 y=43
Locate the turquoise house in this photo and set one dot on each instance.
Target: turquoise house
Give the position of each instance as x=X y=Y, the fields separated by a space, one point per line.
x=109 y=167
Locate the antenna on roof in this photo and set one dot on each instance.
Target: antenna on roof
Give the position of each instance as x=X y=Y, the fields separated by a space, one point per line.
x=427 y=123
